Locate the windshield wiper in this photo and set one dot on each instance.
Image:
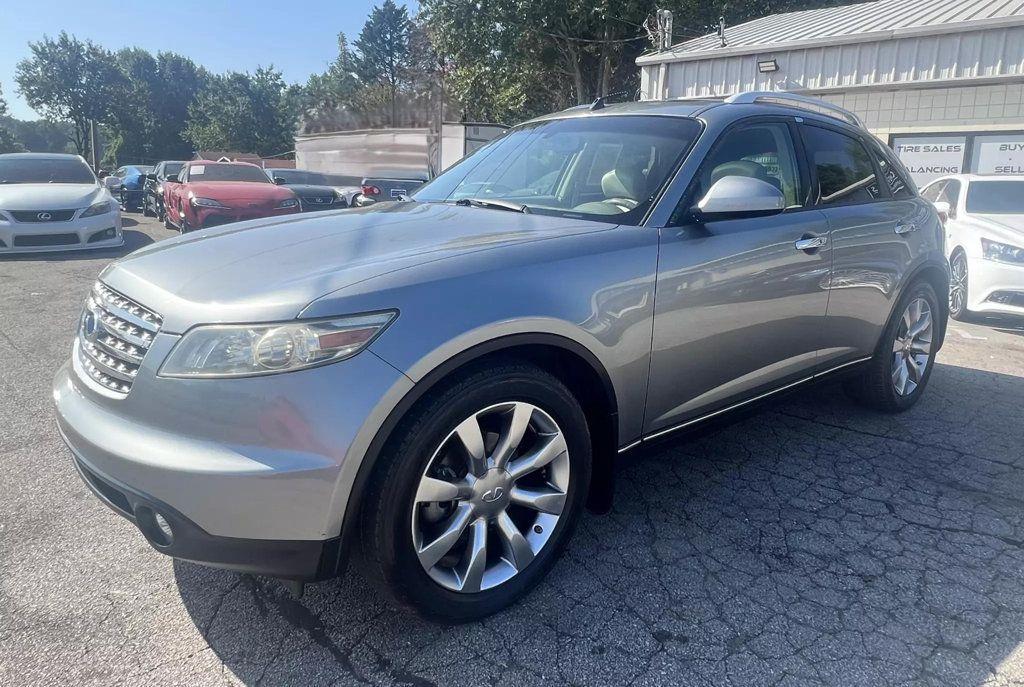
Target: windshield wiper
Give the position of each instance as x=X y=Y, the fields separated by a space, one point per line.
x=495 y=204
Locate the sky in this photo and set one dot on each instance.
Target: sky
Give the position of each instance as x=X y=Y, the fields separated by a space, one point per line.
x=298 y=38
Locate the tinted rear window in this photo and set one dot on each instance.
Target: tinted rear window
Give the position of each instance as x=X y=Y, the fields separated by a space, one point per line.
x=844 y=168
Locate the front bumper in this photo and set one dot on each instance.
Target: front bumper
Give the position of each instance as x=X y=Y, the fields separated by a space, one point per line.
x=252 y=474
x=75 y=234
x=214 y=217
x=995 y=287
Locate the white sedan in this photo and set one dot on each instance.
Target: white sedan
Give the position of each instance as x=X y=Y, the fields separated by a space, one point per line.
x=54 y=202
x=984 y=219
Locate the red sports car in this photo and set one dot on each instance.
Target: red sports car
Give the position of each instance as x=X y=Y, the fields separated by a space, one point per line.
x=207 y=194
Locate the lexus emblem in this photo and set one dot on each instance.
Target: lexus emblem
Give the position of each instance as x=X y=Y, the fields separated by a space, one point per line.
x=44 y=216
x=89 y=324
x=492 y=495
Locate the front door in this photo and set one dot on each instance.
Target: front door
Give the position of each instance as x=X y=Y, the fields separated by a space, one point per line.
x=739 y=308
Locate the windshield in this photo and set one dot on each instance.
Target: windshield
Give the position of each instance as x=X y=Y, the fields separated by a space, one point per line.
x=221 y=172
x=606 y=168
x=45 y=171
x=301 y=176
x=996 y=197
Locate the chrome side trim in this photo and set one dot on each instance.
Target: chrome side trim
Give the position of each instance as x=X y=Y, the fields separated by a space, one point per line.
x=740 y=404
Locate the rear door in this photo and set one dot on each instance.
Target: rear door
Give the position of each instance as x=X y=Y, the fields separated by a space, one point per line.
x=873 y=218
x=740 y=308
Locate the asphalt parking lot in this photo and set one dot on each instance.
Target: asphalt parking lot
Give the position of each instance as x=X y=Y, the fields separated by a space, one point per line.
x=811 y=543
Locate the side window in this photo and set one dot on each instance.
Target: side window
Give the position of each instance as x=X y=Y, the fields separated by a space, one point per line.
x=844 y=170
x=763 y=151
x=931 y=191
x=951 y=194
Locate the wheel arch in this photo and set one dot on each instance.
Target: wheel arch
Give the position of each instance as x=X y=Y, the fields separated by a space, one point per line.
x=569 y=361
x=937 y=275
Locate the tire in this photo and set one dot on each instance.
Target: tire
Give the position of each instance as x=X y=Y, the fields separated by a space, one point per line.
x=168 y=224
x=393 y=523
x=958 y=286
x=145 y=208
x=879 y=385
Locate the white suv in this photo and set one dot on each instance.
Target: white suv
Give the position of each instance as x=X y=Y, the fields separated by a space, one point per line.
x=984 y=219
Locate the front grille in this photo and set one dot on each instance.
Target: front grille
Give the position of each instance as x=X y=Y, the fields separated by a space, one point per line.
x=36 y=240
x=317 y=200
x=113 y=338
x=42 y=215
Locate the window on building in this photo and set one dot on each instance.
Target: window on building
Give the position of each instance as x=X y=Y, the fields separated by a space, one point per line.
x=843 y=167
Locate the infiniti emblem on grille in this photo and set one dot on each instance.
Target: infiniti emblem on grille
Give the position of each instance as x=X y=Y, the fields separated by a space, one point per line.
x=492 y=495
x=44 y=216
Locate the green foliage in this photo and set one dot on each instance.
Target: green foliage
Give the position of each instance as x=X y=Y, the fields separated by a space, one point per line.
x=66 y=79
x=512 y=59
x=244 y=112
x=384 y=50
x=8 y=143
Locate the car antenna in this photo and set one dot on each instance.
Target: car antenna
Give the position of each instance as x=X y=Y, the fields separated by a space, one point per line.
x=599 y=104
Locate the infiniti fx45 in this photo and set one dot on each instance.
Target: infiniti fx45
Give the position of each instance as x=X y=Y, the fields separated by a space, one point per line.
x=436 y=387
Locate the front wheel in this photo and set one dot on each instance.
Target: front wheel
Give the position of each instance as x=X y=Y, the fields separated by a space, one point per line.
x=478 y=493
x=958 y=286
x=899 y=371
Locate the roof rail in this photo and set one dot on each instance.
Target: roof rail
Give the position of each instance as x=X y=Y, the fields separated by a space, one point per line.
x=794 y=100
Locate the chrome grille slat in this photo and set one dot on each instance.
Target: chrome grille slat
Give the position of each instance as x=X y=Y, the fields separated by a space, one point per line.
x=113 y=338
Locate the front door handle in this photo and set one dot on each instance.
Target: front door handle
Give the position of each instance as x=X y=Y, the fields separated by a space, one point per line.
x=811 y=242
x=905 y=227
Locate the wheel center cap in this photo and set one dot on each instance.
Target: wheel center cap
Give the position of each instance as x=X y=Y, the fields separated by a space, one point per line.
x=491 y=492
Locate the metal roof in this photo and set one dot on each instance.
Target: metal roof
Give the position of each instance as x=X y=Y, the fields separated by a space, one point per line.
x=861 y=22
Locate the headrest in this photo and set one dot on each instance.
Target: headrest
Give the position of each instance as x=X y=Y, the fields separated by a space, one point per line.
x=621 y=183
x=739 y=168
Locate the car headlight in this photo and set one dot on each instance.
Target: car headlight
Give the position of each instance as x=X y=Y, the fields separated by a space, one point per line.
x=259 y=349
x=287 y=203
x=1002 y=252
x=100 y=208
x=159 y=188
x=205 y=202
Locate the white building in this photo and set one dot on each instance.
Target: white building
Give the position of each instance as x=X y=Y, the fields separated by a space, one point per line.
x=942 y=81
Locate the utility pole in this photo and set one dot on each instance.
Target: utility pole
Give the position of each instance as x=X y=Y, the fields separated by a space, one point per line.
x=92 y=145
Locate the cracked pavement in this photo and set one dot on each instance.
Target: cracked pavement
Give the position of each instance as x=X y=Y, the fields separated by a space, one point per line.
x=812 y=542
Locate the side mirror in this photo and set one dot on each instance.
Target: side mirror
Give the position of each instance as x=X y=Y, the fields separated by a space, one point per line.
x=944 y=209
x=111 y=183
x=279 y=181
x=735 y=197
x=151 y=177
x=171 y=180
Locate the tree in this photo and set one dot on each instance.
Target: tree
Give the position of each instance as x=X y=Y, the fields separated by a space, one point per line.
x=383 y=49
x=70 y=80
x=8 y=143
x=245 y=112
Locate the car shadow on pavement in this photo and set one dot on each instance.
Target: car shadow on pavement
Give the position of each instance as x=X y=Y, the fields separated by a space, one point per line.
x=133 y=240
x=815 y=542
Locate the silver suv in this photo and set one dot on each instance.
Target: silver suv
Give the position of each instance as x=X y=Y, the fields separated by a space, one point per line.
x=440 y=385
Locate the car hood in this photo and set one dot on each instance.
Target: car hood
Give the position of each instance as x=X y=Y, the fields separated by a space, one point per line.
x=270 y=269
x=1006 y=226
x=311 y=189
x=49 y=196
x=238 y=190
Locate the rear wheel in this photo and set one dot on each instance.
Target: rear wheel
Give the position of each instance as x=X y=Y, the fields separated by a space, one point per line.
x=899 y=371
x=478 y=493
x=958 y=286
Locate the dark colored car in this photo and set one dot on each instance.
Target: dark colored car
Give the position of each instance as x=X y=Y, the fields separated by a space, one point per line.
x=316 y=190
x=132 y=178
x=208 y=194
x=394 y=187
x=153 y=187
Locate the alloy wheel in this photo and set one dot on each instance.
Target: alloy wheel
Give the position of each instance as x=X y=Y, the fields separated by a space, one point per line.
x=490 y=497
x=912 y=348
x=958 y=285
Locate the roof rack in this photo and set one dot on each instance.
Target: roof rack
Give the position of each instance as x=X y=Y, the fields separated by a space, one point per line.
x=799 y=101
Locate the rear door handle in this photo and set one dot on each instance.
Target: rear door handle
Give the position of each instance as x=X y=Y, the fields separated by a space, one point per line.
x=811 y=242
x=905 y=227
